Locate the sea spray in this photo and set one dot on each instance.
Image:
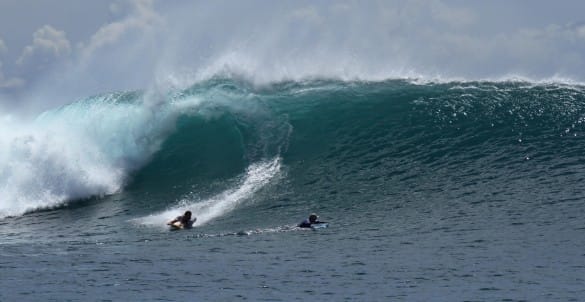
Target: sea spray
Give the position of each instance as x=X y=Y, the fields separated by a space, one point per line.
x=80 y=150
x=256 y=177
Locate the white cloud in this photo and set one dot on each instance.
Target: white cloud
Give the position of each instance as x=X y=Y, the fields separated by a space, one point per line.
x=7 y=83
x=3 y=47
x=141 y=17
x=115 y=8
x=572 y=32
x=581 y=31
x=48 y=44
x=453 y=16
x=10 y=83
x=307 y=14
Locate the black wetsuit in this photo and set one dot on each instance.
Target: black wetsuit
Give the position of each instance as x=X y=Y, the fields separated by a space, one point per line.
x=187 y=224
x=307 y=223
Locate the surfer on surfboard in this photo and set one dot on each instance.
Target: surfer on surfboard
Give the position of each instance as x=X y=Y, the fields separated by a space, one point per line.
x=183 y=222
x=311 y=221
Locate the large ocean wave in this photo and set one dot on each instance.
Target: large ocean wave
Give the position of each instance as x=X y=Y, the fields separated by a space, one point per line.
x=367 y=135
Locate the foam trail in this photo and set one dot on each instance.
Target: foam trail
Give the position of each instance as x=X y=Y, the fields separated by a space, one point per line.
x=257 y=176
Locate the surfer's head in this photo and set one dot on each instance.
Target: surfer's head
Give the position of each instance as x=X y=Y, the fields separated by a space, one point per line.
x=313 y=217
x=187 y=215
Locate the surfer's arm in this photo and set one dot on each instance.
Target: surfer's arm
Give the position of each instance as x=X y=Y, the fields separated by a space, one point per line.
x=172 y=221
x=304 y=224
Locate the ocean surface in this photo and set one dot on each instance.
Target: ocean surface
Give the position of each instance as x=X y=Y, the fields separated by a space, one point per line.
x=456 y=191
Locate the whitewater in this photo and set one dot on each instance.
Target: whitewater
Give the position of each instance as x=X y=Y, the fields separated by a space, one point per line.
x=434 y=190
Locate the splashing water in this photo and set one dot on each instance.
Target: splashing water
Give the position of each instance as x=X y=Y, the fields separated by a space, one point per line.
x=257 y=176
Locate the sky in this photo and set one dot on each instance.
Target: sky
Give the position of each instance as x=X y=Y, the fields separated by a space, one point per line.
x=55 y=51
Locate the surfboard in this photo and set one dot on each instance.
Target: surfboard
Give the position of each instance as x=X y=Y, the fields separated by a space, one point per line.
x=176 y=226
x=316 y=226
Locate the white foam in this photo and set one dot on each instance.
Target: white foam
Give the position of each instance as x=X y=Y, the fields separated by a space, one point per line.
x=81 y=150
x=257 y=176
x=41 y=168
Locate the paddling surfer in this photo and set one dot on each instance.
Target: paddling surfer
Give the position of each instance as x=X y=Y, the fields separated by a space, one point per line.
x=184 y=221
x=313 y=219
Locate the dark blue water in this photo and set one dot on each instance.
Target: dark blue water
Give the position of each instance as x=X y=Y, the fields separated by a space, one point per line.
x=434 y=192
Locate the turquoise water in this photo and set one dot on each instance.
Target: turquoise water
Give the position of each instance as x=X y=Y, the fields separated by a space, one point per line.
x=434 y=191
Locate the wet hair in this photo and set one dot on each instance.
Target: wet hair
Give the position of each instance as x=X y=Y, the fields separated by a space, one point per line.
x=187 y=214
x=313 y=217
